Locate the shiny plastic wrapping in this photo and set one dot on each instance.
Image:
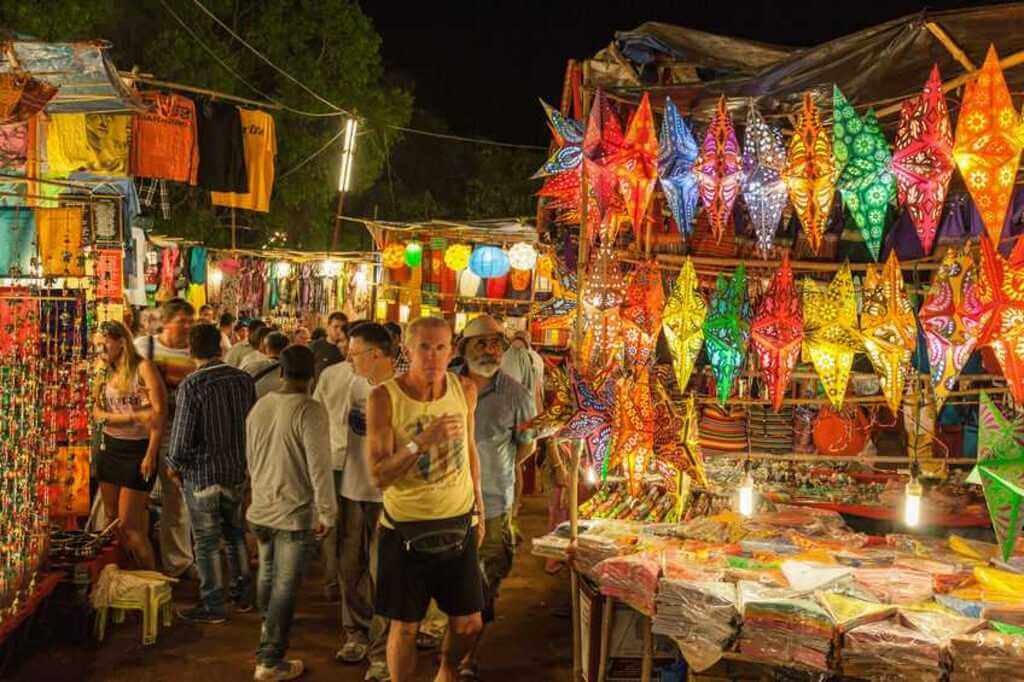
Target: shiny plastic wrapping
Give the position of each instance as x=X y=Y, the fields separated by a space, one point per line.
x=986 y=656
x=632 y=579
x=895 y=586
x=781 y=628
x=702 y=618
x=890 y=652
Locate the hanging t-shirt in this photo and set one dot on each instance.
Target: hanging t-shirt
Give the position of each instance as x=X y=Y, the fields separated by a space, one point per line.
x=60 y=241
x=92 y=142
x=17 y=241
x=164 y=140
x=260 y=149
x=14 y=147
x=221 y=147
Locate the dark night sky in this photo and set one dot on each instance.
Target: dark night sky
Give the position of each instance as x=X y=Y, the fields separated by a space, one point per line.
x=482 y=64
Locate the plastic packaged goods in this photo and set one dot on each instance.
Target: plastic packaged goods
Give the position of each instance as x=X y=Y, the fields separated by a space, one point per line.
x=891 y=652
x=986 y=656
x=940 y=626
x=632 y=579
x=701 y=617
x=805 y=578
x=783 y=629
x=850 y=612
x=895 y=586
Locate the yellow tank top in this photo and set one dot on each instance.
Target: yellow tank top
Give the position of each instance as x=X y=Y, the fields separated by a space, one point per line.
x=427 y=491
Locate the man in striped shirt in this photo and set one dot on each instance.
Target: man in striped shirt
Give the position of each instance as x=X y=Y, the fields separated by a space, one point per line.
x=207 y=460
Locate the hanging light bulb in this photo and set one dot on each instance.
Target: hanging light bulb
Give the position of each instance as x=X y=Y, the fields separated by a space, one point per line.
x=403 y=313
x=460 y=322
x=591 y=476
x=330 y=268
x=216 y=276
x=747 y=491
x=912 y=501
x=348 y=152
x=284 y=268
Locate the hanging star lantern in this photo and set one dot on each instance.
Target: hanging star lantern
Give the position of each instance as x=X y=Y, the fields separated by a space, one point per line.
x=602 y=144
x=683 y=323
x=676 y=438
x=563 y=194
x=677 y=156
x=777 y=332
x=988 y=144
x=592 y=420
x=922 y=160
x=568 y=136
x=830 y=331
x=719 y=170
x=952 y=318
x=636 y=164
x=810 y=173
x=888 y=327
x=865 y=181
x=602 y=344
x=632 y=427
x=558 y=411
x=641 y=314
x=1001 y=294
x=1000 y=471
x=727 y=330
x=764 y=190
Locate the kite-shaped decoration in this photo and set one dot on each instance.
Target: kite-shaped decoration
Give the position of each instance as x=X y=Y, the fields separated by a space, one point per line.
x=888 y=327
x=563 y=194
x=1000 y=471
x=641 y=314
x=719 y=170
x=602 y=343
x=811 y=173
x=831 y=337
x=633 y=426
x=777 y=332
x=727 y=330
x=1001 y=293
x=922 y=160
x=952 y=319
x=683 y=323
x=676 y=158
x=636 y=164
x=558 y=411
x=676 y=434
x=764 y=190
x=592 y=420
x=602 y=143
x=865 y=180
x=568 y=136
x=604 y=285
x=988 y=144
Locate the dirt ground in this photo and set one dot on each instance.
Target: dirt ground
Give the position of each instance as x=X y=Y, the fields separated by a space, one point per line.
x=525 y=644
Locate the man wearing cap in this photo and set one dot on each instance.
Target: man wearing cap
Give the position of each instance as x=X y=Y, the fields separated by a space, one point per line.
x=502 y=406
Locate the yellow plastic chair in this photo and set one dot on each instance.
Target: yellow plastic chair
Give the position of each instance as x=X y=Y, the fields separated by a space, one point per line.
x=155 y=605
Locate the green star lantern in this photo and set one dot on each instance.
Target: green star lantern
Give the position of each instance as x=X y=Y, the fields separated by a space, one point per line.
x=727 y=330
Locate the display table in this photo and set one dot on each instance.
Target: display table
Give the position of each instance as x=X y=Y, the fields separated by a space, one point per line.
x=46 y=583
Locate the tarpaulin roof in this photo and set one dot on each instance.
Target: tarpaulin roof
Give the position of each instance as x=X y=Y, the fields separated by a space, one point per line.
x=877 y=66
x=87 y=79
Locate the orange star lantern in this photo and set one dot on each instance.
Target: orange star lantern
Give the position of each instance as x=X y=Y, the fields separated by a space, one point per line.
x=888 y=327
x=810 y=173
x=1001 y=293
x=602 y=144
x=636 y=164
x=831 y=337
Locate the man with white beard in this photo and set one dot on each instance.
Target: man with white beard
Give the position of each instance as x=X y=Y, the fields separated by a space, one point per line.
x=502 y=406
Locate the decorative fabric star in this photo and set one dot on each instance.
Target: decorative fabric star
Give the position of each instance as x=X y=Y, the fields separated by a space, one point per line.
x=683 y=323
x=602 y=345
x=811 y=173
x=568 y=136
x=677 y=156
x=676 y=435
x=777 y=332
x=558 y=411
x=641 y=314
x=636 y=164
x=592 y=421
x=1001 y=294
x=888 y=327
x=923 y=158
x=633 y=426
x=602 y=143
x=719 y=170
x=727 y=330
x=764 y=190
x=831 y=337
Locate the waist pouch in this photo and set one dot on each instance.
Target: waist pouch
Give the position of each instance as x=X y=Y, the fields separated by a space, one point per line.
x=435 y=539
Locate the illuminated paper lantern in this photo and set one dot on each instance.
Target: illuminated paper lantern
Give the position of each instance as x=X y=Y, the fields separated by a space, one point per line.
x=632 y=427
x=592 y=420
x=988 y=143
x=764 y=190
x=604 y=285
x=602 y=344
x=677 y=435
x=952 y=318
x=489 y=261
x=865 y=180
x=683 y=323
x=831 y=336
x=641 y=313
x=719 y=170
x=568 y=136
x=888 y=327
x=413 y=254
x=922 y=159
x=393 y=256
x=727 y=330
x=456 y=256
x=558 y=409
x=811 y=173
x=777 y=332
x=677 y=155
x=1001 y=294
x=522 y=256
x=636 y=164
x=602 y=144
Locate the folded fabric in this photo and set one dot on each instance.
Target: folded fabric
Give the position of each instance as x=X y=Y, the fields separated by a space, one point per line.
x=702 y=618
x=889 y=651
x=986 y=655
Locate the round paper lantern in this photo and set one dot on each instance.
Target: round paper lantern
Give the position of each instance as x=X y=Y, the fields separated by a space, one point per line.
x=520 y=279
x=413 y=254
x=456 y=256
x=393 y=256
x=522 y=256
x=469 y=283
x=489 y=261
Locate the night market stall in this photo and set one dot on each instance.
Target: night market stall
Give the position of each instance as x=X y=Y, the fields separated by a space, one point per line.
x=795 y=388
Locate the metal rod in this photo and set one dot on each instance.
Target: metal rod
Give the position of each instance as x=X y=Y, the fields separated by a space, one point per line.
x=199 y=91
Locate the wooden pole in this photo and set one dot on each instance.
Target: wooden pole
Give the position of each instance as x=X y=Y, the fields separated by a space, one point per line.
x=577 y=666
x=606 y=632
x=337 y=221
x=647 y=664
x=951 y=46
x=234 y=229
x=574 y=522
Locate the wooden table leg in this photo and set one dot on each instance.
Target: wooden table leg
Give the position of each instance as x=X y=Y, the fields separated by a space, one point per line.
x=607 y=614
x=647 y=665
x=577 y=664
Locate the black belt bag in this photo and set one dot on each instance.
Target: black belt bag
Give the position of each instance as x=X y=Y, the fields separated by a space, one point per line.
x=436 y=539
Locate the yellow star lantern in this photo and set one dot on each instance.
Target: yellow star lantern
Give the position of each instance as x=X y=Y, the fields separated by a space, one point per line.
x=830 y=331
x=683 y=323
x=810 y=173
x=888 y=327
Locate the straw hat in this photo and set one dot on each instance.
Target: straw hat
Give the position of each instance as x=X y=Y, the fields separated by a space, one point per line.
x=484 y=325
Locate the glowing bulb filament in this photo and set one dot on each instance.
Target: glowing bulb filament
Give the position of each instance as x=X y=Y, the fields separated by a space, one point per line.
x=591 y=476
x=912 y=503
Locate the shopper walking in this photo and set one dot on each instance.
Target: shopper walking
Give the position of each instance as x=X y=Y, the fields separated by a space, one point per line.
x=245 y=346
x=266 y=374
x=327 y=351
x=256 y=355
x=130 y=407
x=293 y=501
x=168 y=351
x=207 y=459
x=424 y=459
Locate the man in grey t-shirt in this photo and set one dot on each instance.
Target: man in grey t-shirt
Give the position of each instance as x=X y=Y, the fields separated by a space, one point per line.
x=267 y=373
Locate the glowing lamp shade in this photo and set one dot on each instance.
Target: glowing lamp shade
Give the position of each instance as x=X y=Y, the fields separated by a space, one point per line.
x=330 y=268
x=380 y=311
x=747 y=495
x=216 y=276
x=522 y=256
x=460 y=322
x=456 y=256
x=393 y=256
x=489 y=261
x=912 y=503
x=413 y=254
x=403 y=313
x=284 y=268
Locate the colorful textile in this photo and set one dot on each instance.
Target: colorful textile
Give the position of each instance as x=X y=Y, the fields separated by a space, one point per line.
x=764 y=190
x=676 y=159
x=636 y=164
x=988 y=143
x=888 y=327
x=677 y=436
x=632 y=426
x=683 y=323
x=1001 y=294
x=88 y=142
x=559 y=407
x=863 y=160
x=60 y=242
x=777 y=333
x=602 y=143
x=719 y=170
x=922 y=159
x=18 y=240
x=109 y=275
x=831 y=337
x=260 y=140
x=19 y=324
x=568 y=136
x=641 y=313
x=22 y=96
x=727 y=330
x=164 y=140
x=14 y=148
x=810 y=173
x=592 y=420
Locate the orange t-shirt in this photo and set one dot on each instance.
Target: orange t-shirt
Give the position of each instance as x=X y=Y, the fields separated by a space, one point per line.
x=164 y=140
x=260 y=141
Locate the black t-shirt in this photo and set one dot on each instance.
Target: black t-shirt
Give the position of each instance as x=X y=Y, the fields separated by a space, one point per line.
x=221 y=147
x=325 y=354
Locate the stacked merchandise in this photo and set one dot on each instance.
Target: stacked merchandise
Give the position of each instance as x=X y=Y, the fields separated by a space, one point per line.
x=771 y=431
x=604 y=541
x=722 y=431
x=553 y=545
x=632 y=579
x=700 y=615
x=889 y=651
x=986 y=655
x=895 y=586
x=654 y=503
x=782 y=628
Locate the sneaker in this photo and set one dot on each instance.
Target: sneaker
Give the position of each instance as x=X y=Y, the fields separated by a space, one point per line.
x=378 y=672
x=243 y=605
x=200 y=614
x=285 y=670
x=354 y=651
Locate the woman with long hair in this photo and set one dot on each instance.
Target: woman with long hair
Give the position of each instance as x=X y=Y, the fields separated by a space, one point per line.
x=130 y=408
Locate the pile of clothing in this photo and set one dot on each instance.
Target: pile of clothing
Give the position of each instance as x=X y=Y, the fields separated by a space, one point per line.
x=889 y=651
x=632 y=579
x=783 y=628
x=987 y=655
x=701 y=616
x=771 y=431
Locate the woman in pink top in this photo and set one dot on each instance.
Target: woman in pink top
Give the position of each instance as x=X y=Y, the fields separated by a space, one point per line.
x=129 y=409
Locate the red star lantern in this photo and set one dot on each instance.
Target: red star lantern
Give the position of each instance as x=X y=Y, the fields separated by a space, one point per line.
x=633 y=426
x=810 y=173
x=719 y=170
x=602 y=144
x=1001 y=293
x=636 y=164
x=777 y=332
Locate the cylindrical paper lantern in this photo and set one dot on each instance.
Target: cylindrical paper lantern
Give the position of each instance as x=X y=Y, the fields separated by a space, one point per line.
x=413 y=254
x=393 y=256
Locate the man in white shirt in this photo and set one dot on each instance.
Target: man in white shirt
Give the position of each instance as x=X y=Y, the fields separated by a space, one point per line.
x=256 y=355
x=244 y=347
x=267 y=373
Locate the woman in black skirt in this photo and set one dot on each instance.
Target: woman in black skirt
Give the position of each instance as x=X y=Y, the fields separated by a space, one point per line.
x=130 y=409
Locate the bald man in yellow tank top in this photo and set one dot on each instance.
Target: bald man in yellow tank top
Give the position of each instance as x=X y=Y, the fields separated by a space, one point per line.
x=424 y=458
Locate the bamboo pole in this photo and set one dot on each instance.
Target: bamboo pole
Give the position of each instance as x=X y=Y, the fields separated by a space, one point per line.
x=647 y=663
x=216 y=94
x=757 y=264
x=574 y=523
x=607 y=614
x=950 y=45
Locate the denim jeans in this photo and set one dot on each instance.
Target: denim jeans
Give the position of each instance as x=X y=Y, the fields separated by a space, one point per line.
x=283 y=555
x=216 y=513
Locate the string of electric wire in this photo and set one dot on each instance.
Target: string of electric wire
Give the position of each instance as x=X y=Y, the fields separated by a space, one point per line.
x=318 y=152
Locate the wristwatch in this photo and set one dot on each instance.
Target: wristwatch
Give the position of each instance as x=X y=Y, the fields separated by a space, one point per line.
x=413 y=447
